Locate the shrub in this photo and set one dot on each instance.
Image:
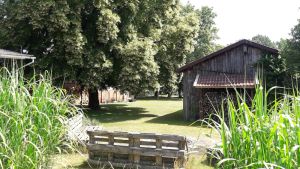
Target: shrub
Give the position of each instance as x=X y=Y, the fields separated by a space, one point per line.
x=32 y=114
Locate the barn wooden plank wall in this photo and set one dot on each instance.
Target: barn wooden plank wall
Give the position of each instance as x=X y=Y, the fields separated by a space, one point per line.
x=142 y=150
x=239 y=60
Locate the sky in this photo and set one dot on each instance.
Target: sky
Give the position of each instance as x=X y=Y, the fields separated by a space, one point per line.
x=243 y=19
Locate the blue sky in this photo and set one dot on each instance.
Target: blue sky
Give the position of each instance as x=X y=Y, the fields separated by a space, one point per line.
x=243 y=19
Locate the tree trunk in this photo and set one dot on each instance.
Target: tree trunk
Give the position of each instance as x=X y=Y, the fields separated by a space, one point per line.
x=156 y=94
x=169 y=95
x=179 y=93
x=93 y=99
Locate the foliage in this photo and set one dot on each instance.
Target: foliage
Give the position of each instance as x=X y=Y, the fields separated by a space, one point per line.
x=92 y=42
x=274 y=71
x=177 y=41
x=207 y=33
x=31 y=121
x=262 y=135
x=264 y=40
x=292 y=51
x=139 y=70
x=274 y=68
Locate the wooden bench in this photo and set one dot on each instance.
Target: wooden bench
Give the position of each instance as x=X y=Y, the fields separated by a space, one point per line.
x=136 y=150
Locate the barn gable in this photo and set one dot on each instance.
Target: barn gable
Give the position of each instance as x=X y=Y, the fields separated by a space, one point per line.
x=230 y=67
x=241 y=46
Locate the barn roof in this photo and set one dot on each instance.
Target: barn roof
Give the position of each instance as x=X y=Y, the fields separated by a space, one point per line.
x=222 y=80
x=6 y=54
x=239 y=43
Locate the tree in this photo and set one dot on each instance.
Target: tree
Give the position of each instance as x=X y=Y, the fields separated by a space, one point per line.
x=204 y=34
x=264 y=40
x=273 y=66
x=177 y=41
x=139 y=40
x=71 y=38
x=207 y=33
x=292 y=51
x=98 y=43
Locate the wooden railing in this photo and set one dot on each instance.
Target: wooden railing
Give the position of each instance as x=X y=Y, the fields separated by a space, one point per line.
x=142 y=150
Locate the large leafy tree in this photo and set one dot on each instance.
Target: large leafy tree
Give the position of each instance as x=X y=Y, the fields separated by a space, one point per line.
x=177 y=41
x=73 y=39
x=207 y=33
x=203 y=40
x=99 y=43
x=138 y=43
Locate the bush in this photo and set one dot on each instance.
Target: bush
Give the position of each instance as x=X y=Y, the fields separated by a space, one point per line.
x=32 y=115
x=261 y=135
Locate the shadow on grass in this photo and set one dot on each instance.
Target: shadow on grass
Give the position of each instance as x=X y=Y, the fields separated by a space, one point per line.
x=122 y=112
x=175 y=118
x=152 y=98
x=116 y=113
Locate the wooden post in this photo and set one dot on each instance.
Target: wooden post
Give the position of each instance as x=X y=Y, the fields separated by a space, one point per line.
x=180 y=161
x=92 y=141
x=158 y=159
x=181 y=145
x=92 y=138
x=136 y=157
x=110 y=142
x=131 y=144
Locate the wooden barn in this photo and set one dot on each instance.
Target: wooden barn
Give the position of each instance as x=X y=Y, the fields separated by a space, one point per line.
x=208 y=80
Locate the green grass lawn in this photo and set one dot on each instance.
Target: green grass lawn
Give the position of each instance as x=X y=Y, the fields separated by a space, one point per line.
x=152 y=116
x=163 y=116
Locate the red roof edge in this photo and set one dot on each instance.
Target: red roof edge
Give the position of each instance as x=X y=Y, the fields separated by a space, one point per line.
x=227 y=48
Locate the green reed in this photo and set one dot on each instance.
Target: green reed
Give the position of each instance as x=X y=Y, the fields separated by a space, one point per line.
x=265 y=134
x=32 y=116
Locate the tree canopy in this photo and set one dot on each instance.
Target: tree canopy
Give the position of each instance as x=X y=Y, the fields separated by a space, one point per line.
x=291 y=51
x=274 y=70
x=207 y=33
x=264 y=40
x=128 y=44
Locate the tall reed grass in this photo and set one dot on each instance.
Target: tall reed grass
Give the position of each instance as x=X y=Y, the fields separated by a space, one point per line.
x=265 y=134
x=32 y=115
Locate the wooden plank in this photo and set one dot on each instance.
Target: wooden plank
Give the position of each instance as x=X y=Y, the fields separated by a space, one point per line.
x=136 y=150
x=116 y=141
x=137 y=135
x=147 y=143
